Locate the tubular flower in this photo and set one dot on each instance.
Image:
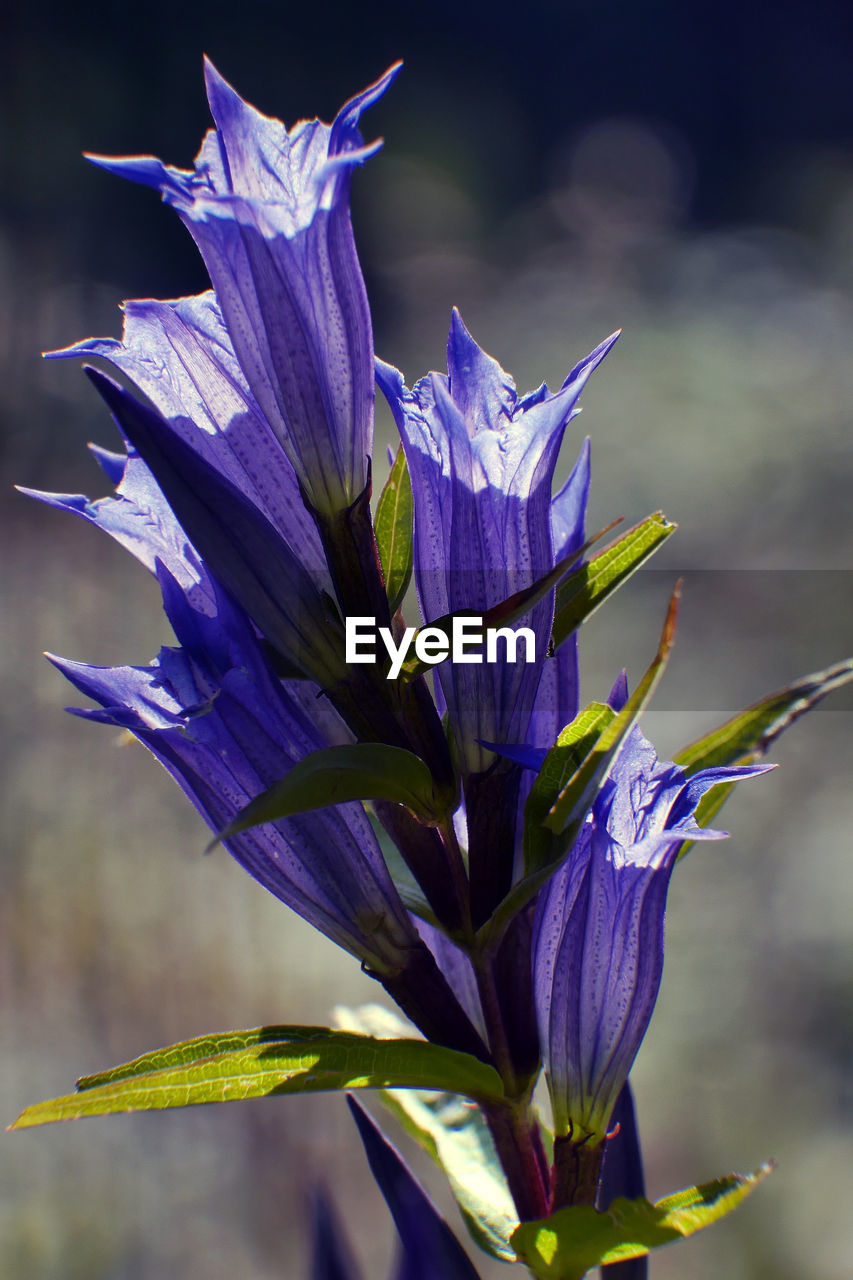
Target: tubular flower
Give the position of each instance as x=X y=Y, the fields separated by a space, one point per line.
x=556 y=703
x=214 y=715
x=269 y=211
x=236 y=540
x=180 y=356
x=228 y=479
x=482 y=462
x=598 y=937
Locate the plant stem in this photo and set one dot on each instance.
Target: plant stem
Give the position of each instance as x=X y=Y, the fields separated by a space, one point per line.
x=577 y=1171
x=513 y=1126
x=515 y=1133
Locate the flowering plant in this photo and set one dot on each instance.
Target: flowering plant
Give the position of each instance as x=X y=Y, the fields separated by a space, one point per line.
x=496 y=855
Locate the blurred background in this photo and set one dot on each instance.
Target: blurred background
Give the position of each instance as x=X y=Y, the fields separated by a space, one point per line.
x=682 y=171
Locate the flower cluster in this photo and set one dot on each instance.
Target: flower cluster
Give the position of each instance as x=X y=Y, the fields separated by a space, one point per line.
x=245 y=487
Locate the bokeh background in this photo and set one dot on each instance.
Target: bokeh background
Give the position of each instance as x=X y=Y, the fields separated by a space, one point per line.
x=557 y=170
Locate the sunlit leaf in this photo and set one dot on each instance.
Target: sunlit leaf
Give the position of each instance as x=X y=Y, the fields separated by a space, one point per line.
x=748 y=736
x=393 y=527
x=454 y=1133
x=258 y=1063
x=573 y=746
x=579 y=595
x=573 y=1241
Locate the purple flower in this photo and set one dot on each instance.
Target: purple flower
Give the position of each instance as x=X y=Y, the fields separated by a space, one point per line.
x=235 y=539
x=226 y=729
x=556 y=703
x=180 y=356
x=598 y=936
x=225 y=473
x=213 y=713
x=482 y=462
x=427 y=1248
x=269 y=211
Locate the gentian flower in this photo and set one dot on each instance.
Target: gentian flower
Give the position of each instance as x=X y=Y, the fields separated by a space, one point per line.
x=226 y=475
x=269 y=211
x=557 y=702
x=235 y=539
x=179 y=355
x=482 y=463
x=598 y=936
x=214 y=714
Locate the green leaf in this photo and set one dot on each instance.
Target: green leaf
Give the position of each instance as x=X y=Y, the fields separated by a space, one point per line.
x=561 y=764
x=334 y=775
x=747 y=736
x=580 y=595
x=269 y=1060
x=507 y=611
x=454 y=1132
x=573 y=802
x=393 y=528
x=455 y=1135
x=573 y=1241
x=595 y=736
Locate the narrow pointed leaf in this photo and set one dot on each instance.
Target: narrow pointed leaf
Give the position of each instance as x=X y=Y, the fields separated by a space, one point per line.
x=575 y=798
x=454 y=1133
x=335 y=775
x=269 y=1060
x=580 y=595
x=561 y=764
x=430 y=1249
x=601 y=737
x=747 y=736
x=573 y=1241
x=507 y=611
x=393 y=527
